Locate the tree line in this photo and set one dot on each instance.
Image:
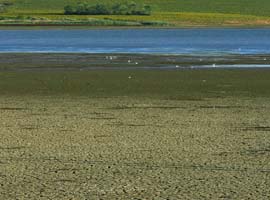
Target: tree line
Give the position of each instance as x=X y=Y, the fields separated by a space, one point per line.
x=102 y=9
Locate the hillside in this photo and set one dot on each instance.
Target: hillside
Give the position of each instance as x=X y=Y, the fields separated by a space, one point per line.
x=174 y=12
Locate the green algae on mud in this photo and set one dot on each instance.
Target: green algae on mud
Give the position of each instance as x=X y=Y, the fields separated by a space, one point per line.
x=157 y=84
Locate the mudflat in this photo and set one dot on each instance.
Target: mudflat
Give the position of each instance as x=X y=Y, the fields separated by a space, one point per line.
x=135 y=134
x=125 y=61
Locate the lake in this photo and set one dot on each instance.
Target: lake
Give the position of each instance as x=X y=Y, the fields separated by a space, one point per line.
x=153 y=41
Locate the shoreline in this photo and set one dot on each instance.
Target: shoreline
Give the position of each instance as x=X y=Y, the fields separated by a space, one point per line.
x=127 y=61
x=83 y=26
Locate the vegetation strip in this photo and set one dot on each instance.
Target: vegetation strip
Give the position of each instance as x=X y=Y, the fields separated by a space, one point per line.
x=173 y=13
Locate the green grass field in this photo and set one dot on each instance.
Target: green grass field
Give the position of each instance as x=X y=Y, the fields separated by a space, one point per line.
x=245 y=7
x=177 y=12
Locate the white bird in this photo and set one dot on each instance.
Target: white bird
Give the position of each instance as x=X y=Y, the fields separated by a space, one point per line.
x=129 y=77
x=136 y=63
x=177 y=66
x=214 y=65
x=129 y=61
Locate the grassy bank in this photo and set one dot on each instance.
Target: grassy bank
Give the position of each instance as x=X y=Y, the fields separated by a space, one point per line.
x=172 y=13
x=158 y=19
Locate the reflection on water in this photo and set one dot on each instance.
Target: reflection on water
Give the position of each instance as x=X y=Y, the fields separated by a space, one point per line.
x=162 y=41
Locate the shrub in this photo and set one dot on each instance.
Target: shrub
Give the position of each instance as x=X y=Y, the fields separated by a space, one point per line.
x=69 y=10
x=102 y=9
x=7 y=3
x=4 y=6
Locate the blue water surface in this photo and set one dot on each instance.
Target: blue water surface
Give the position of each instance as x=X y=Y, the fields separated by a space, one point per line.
x=159 y=41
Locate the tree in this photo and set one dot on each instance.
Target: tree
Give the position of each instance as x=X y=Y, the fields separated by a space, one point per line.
x=69 y=10
x=116 y=8
x=4 y=5
x=131 y=7
x=147 y=10
x=101 y=9
x=81 y=9
x=2 y=8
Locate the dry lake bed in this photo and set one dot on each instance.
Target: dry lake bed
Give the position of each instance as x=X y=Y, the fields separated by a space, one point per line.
x=135 y=134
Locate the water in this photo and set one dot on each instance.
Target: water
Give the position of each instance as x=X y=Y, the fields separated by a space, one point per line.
x=159 y=41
